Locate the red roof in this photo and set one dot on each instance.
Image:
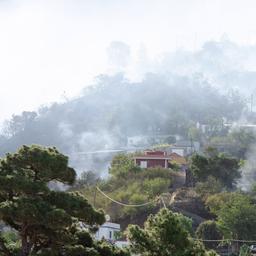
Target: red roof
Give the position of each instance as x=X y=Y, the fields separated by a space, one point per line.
x=160 y=155
x=154 y=155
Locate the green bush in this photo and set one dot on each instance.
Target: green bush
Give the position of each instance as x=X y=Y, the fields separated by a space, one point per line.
x=210 y=187
x=156 y=186
x=209 y=230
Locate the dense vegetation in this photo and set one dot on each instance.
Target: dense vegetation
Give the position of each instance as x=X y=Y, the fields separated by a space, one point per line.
x=165 y=234
x=215 y=177
x=43 y=221
x=235 y=214
x=128 y=184
x=231 y=213
x=48 y=222
x=223 y=168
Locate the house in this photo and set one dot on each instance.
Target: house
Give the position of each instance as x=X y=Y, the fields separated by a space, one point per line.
x=150 y=159
x=108 y=231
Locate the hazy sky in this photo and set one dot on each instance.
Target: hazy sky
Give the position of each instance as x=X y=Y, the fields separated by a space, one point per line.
x=51 y=47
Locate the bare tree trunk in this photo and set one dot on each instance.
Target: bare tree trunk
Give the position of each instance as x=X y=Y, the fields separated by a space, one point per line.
x=25 y=244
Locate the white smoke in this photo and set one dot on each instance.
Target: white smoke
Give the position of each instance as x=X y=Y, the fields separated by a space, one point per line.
x=248 y=170
x=90 y=151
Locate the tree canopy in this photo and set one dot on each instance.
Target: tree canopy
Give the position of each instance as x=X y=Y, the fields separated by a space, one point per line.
x=46 y=221
x=122 y=164
x=235 y=214
x=209 y=230
x=220 y=166
x=164 y=234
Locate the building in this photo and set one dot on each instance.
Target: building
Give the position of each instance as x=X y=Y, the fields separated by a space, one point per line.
x=163 y=159
x=108 y=231
x=150 y=159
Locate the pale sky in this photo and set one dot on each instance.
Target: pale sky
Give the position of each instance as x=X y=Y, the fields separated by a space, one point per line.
x=51 y=47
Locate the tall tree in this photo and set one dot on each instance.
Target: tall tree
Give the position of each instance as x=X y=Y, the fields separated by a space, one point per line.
x=46 y=221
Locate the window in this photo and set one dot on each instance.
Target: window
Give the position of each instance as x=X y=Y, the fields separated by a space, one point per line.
x=110 y=234
x=143 y=164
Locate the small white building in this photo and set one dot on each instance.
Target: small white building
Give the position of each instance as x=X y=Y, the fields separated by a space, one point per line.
x=108 y=231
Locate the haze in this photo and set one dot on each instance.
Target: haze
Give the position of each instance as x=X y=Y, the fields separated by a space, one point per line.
x=50 y=50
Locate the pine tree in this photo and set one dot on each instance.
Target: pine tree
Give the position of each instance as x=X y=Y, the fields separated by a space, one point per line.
x=165 y=234
x=46 y=221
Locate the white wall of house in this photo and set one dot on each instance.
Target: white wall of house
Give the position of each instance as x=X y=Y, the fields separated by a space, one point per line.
x=107 y=231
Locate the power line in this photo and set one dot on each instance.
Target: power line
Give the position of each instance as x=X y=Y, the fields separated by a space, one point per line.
x=123 y=204
x=225 y=240
x=147 y=203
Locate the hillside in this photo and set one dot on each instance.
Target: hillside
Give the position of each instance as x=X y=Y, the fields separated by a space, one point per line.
x=113 y=109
